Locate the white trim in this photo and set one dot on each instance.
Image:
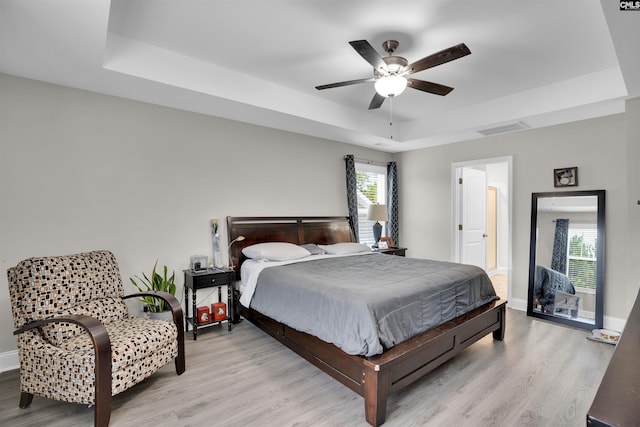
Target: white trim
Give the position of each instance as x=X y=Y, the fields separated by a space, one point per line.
x=455 y=209
x=368 y=167
x=614 y=323
x=9 y=361
x=517 y=304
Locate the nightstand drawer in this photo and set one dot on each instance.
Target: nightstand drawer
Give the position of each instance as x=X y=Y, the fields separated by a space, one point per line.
x=209 y=280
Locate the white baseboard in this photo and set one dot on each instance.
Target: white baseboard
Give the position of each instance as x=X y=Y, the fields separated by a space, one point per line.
x=517 y=304
x=613 y=323
x=9 y=361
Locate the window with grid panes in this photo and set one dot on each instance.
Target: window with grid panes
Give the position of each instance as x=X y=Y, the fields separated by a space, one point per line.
x=581 y=254
x=372 y=189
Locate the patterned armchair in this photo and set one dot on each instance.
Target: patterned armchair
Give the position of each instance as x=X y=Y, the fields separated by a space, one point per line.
x=76 y=340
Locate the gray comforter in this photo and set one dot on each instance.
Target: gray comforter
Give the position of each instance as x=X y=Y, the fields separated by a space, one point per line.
x=365 y=304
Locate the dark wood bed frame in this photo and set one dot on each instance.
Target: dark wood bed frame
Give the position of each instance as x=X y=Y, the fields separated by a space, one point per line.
x=375 y=377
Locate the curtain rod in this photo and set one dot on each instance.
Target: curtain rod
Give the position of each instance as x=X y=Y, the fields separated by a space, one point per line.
x=369 y=162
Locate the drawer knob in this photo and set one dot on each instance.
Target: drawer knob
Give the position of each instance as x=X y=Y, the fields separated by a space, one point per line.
x=213 y=281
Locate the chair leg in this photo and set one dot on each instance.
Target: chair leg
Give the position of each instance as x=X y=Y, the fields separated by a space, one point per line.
x=180 y=363
x=25 y=399
x=102 y=411
x=180 y=359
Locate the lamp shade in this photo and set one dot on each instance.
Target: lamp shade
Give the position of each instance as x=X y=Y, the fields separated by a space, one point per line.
x=391 y=85
x=377 y=213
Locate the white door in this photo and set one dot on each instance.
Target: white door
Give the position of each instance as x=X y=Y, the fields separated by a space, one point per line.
x=492 y=228
x=474 y=217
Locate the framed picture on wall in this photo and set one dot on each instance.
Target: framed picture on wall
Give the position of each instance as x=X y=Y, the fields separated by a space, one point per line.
x=565 y=177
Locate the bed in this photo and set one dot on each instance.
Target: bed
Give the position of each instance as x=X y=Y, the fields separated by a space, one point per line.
x=375 y=376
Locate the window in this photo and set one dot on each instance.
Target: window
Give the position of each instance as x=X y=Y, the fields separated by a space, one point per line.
x=582 y=256
x=371 y=189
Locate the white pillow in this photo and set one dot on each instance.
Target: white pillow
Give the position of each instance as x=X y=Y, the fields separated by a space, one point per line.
x=275 y=251
x=314 y=249
x=345 y=248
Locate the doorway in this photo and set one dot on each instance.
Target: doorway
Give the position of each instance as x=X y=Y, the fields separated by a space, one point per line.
x=492 y=228
x=472 y=228
x=486 y=213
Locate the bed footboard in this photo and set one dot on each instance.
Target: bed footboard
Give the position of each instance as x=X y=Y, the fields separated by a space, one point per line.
x=376 y=377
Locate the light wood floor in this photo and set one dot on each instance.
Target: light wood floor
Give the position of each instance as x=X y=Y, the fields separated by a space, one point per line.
x=542 y=374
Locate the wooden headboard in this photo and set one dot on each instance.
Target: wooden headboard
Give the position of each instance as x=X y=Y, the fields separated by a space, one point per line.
x=322 y=230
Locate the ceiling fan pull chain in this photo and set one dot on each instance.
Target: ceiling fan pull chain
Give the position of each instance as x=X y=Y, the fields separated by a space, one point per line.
x=391 y=117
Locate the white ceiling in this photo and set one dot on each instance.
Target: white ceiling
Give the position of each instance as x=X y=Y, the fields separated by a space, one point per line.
x=541 y=62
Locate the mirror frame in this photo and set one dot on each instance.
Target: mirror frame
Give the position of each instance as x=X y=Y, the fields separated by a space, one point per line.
x=599 y=316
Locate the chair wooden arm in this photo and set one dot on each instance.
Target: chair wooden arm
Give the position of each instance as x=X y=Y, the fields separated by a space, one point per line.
x=178 y=319
x=102 y=360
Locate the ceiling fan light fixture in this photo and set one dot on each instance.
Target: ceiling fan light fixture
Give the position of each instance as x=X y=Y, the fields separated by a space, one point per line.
x=392 y=85
x=391 y=73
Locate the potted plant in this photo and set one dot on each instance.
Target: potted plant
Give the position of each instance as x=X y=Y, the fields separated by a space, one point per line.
x=156 y=282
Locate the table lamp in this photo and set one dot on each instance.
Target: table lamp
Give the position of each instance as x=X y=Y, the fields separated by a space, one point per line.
x=237 y=239
x=377 y=213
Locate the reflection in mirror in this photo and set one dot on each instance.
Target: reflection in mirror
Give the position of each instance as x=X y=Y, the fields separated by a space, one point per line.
x=566 y=261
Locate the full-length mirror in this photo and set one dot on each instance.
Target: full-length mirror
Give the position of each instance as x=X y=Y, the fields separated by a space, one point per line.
x=566 y=261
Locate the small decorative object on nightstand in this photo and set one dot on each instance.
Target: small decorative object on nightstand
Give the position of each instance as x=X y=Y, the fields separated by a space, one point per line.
x=203 y=315
x=194 y=315
x=199 y=262
x=219 y=311
x=389 y=243
x=217 y=253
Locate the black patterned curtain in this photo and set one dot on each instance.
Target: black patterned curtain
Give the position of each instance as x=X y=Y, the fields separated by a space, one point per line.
x=352 y=193
x=560 y=243
x=392 y=202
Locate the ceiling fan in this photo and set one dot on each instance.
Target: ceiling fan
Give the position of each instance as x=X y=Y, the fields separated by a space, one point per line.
x=390 y=73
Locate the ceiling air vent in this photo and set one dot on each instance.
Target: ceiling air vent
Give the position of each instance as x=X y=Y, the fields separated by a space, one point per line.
x=511 y=127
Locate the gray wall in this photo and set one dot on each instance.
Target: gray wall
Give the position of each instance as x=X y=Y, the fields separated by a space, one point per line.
x=632 y=202
x=81 y=171
x=605 y=150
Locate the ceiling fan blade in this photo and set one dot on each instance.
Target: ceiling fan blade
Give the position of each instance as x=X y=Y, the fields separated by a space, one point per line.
x=376 y=101
x=430 y=87
x=347 y=83
x=369 y=54
x=439 y=58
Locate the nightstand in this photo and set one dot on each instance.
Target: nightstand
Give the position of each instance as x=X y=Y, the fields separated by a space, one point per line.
x=393 y=251
x=195 y=280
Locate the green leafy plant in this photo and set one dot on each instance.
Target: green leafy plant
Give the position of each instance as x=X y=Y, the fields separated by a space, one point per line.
x=155 y=283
